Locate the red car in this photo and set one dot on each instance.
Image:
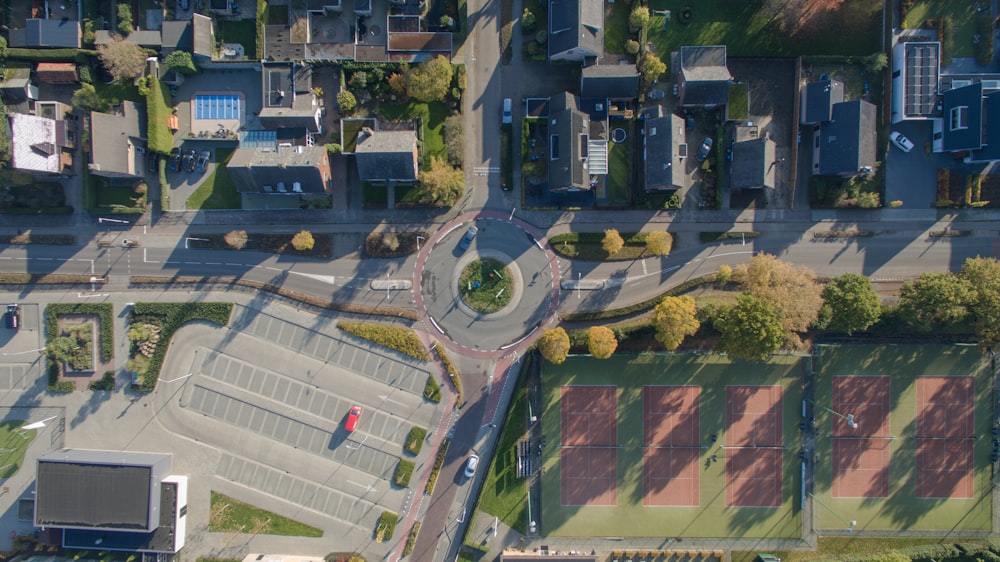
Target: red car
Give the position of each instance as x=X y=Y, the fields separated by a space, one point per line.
x=351 y=423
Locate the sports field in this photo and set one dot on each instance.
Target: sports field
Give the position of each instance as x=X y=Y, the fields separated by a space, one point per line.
x=903 y=438
x=671 y=446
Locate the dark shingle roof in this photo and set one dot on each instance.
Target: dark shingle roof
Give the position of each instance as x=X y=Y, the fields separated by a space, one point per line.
x=754 y=164
x=609 y=81
x=963 y=118
x=818 y=100
x=387 y=155
x=663 y=167
x=991 y=141
x=47 y=33
x=700 y=63
x=176 y=35
x=847 y=142
x=576 y=24
x=253 y=169
x=566 y=124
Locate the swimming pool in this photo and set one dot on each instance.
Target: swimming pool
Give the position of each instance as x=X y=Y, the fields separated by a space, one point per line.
x=216 y=106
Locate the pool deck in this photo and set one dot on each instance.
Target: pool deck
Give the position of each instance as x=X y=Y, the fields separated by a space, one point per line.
x=209 y=124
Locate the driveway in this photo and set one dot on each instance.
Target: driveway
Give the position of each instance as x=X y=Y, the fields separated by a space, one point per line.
x=912 y=177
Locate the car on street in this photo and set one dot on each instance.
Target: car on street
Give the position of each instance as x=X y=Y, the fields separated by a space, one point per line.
x=471 y=465
x=12 y=318
x=508 y=116
x=203 y=160
x=351 y=423
x=901 y=141
x=656 y=94
x=470 y=235
x=175 y=159
x=189 y=160
x=706 y=148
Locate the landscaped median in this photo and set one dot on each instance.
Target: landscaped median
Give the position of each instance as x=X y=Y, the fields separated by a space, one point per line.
x=275 y=242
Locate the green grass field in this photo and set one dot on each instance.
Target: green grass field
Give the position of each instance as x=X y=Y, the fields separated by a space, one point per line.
x=218 y=190
x=963 y=18
x=902 y=510
x=619 y=171
x=712 y=518
x=432 y=116
x=14 y=442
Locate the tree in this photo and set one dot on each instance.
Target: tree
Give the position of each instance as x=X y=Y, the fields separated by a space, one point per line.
x=125 y=18
x=334 y=148
x=631 y=46
x=87 y=99
x=659 y=242
x=236 y=239
x=851 y=303
x=62 y=349
x=527 y=20
x=935 y=300
x=442 y=184
x=303 y=241
x=397 y=82
x=751 y=329
x=723 y=276
x=554 y=345
x=983 y=275
x=875 y=62
x=674 y=319
x=454 y=139
x=390 y=240
x=430 y=80
x=792 y=290
x=868 y=200
x=650 y=67
x=182 y=62
x=122 y=59
x=346 y=100
x=638 y=19
x=601 y=342
x=612 y=242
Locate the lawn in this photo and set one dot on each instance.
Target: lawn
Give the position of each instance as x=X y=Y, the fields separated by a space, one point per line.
x=901 y=509
x=963 y=18
x=114 y=94
x=407 y=194
x=712 y=518
x=114 y=198
x=14 y=442
x=504 y=494
x=747 y=28
x=375 y=195
x=218 y=190
x=486 y=285
x=229 y=515
x=158 y=104
x=587 y=246
x=619 y=171
x=616 y=29
x=431 y=115
x=243 y=32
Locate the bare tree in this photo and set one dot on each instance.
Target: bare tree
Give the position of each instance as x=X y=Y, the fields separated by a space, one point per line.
x=122 y=59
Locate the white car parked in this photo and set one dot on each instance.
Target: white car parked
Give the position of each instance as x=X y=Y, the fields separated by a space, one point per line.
x=901 y=141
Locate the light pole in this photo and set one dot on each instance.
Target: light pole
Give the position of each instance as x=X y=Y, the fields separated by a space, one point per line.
x=419 y=238
x=849 y=418
x=102 y=220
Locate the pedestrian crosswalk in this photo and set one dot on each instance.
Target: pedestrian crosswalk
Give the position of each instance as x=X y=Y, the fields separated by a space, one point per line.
x=486 y=170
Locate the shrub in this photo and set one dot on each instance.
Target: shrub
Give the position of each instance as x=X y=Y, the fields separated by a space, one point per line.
x=436 y=470
x=236 y=239
x=411 y=540
x=432 y=390
x=453 y=374
x=386 y=526
x=399 y=338
x=125 y=18
x=303 y=241
x=415 y=440
x=404 y=471
x=868 y=200
x=334 y=148
x=107 y=382
x=346 y=100
x=943 y=180
x=632 y=46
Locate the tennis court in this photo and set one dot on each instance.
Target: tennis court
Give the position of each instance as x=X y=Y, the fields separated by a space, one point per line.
x=754 y=446
x=217 y=106
x=589 y=441
x=945 y=436
x=861 y=453
x=672 y=443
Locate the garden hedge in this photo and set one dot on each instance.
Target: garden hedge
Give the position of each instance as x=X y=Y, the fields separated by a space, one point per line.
x=399 y=338
x=452 y=371
x=103 y=310
x=411 y=539
x=438 y=463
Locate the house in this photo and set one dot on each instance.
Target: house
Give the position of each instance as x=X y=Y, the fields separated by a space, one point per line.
x=818 y=99
x=755 y=163
x=611 y=82
x=197 y=36
x=289 y=170
x=664 y=151
x=845 y=145
x=289 y=103
x=148 y=38
x=57 y=73
x=47 y=33
x=17 y=91
x=577 y=147
x=110 y=500
x=576 y=30
x=967 y=125
x=41 y=145
x=916 y=71
x=703 y=79
x=385 y=156
x=118 y=142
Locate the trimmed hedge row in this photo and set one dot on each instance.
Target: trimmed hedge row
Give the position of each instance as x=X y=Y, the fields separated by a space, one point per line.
x=51 y=239
x=643 y=306
x=45 y=279
x=438 y=463
x=452 y=370
x=79 y=56
x=411 y=539
x=205 y=283
x=415 y=440
x=723 y=236
x=399 y=338
x=55 y=384
x=172 y=316
x=107 y=382
x=102 y=310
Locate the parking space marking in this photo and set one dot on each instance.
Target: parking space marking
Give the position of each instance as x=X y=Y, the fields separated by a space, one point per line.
x=328 y=501
x=18 y=376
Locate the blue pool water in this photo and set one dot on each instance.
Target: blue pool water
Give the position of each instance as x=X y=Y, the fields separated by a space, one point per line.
x=216 y=107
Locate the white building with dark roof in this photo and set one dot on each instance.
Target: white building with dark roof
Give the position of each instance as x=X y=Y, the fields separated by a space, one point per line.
x=38 y=144
x=384 y=156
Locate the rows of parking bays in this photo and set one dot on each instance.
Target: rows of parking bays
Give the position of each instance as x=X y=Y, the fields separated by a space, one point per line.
x=20 y=376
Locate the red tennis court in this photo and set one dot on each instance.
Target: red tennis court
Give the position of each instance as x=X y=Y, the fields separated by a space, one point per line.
x=589 y=445
x=861 y=454
x=754 y=446
x=671 y=441
x=945 y=436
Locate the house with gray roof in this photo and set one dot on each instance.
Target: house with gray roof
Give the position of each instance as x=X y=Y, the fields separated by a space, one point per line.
x=17 y=91
x=196 y=36
x=755 y=164
x=576 y=30
x=288 y=170
x=38 y=33
x=387 y=156
x=288 y=99
x=845 y=145
x=664 y=151
x=41 y=145
x=110 y=500
x=702 y=76
x=148 y=38
x=577 y=147
x=609 y=82
x=118 y=142
x=818 y=99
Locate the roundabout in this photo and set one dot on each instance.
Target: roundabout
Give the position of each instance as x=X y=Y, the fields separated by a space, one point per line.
x=492 y=296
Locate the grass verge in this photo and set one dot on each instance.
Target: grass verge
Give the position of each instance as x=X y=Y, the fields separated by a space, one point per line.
x=399 y=338
x=587 y=246
x=15 y=443
x=218 y=190
x=432 y=390
x=415 y=440
x=386 y=526
x=453 y=374
x=229 y=515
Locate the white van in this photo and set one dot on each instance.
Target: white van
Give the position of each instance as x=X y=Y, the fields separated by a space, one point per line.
x=508 y=117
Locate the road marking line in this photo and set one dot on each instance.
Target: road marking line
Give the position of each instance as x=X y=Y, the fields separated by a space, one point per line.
x=644 y=270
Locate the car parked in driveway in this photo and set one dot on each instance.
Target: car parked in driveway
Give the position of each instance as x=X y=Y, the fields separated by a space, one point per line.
x=189 y=160
x=175 y=159
x=901 y=141
x=203 y=160
x=706 y=148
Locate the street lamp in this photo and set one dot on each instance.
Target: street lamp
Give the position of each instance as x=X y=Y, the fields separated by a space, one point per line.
x=102 y=220
x=849 y=418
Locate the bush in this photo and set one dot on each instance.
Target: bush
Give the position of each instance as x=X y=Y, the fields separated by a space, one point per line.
x=438 y=463
x=125 y=19
x=399 y=338
x=404 y=471
x=386 y=526
x=346 y=100
x=303 y=241
x=432 y=390
x=415 y=440
x=632 y=46
x=107 y=382
x=452 y=371
x=411 y=540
